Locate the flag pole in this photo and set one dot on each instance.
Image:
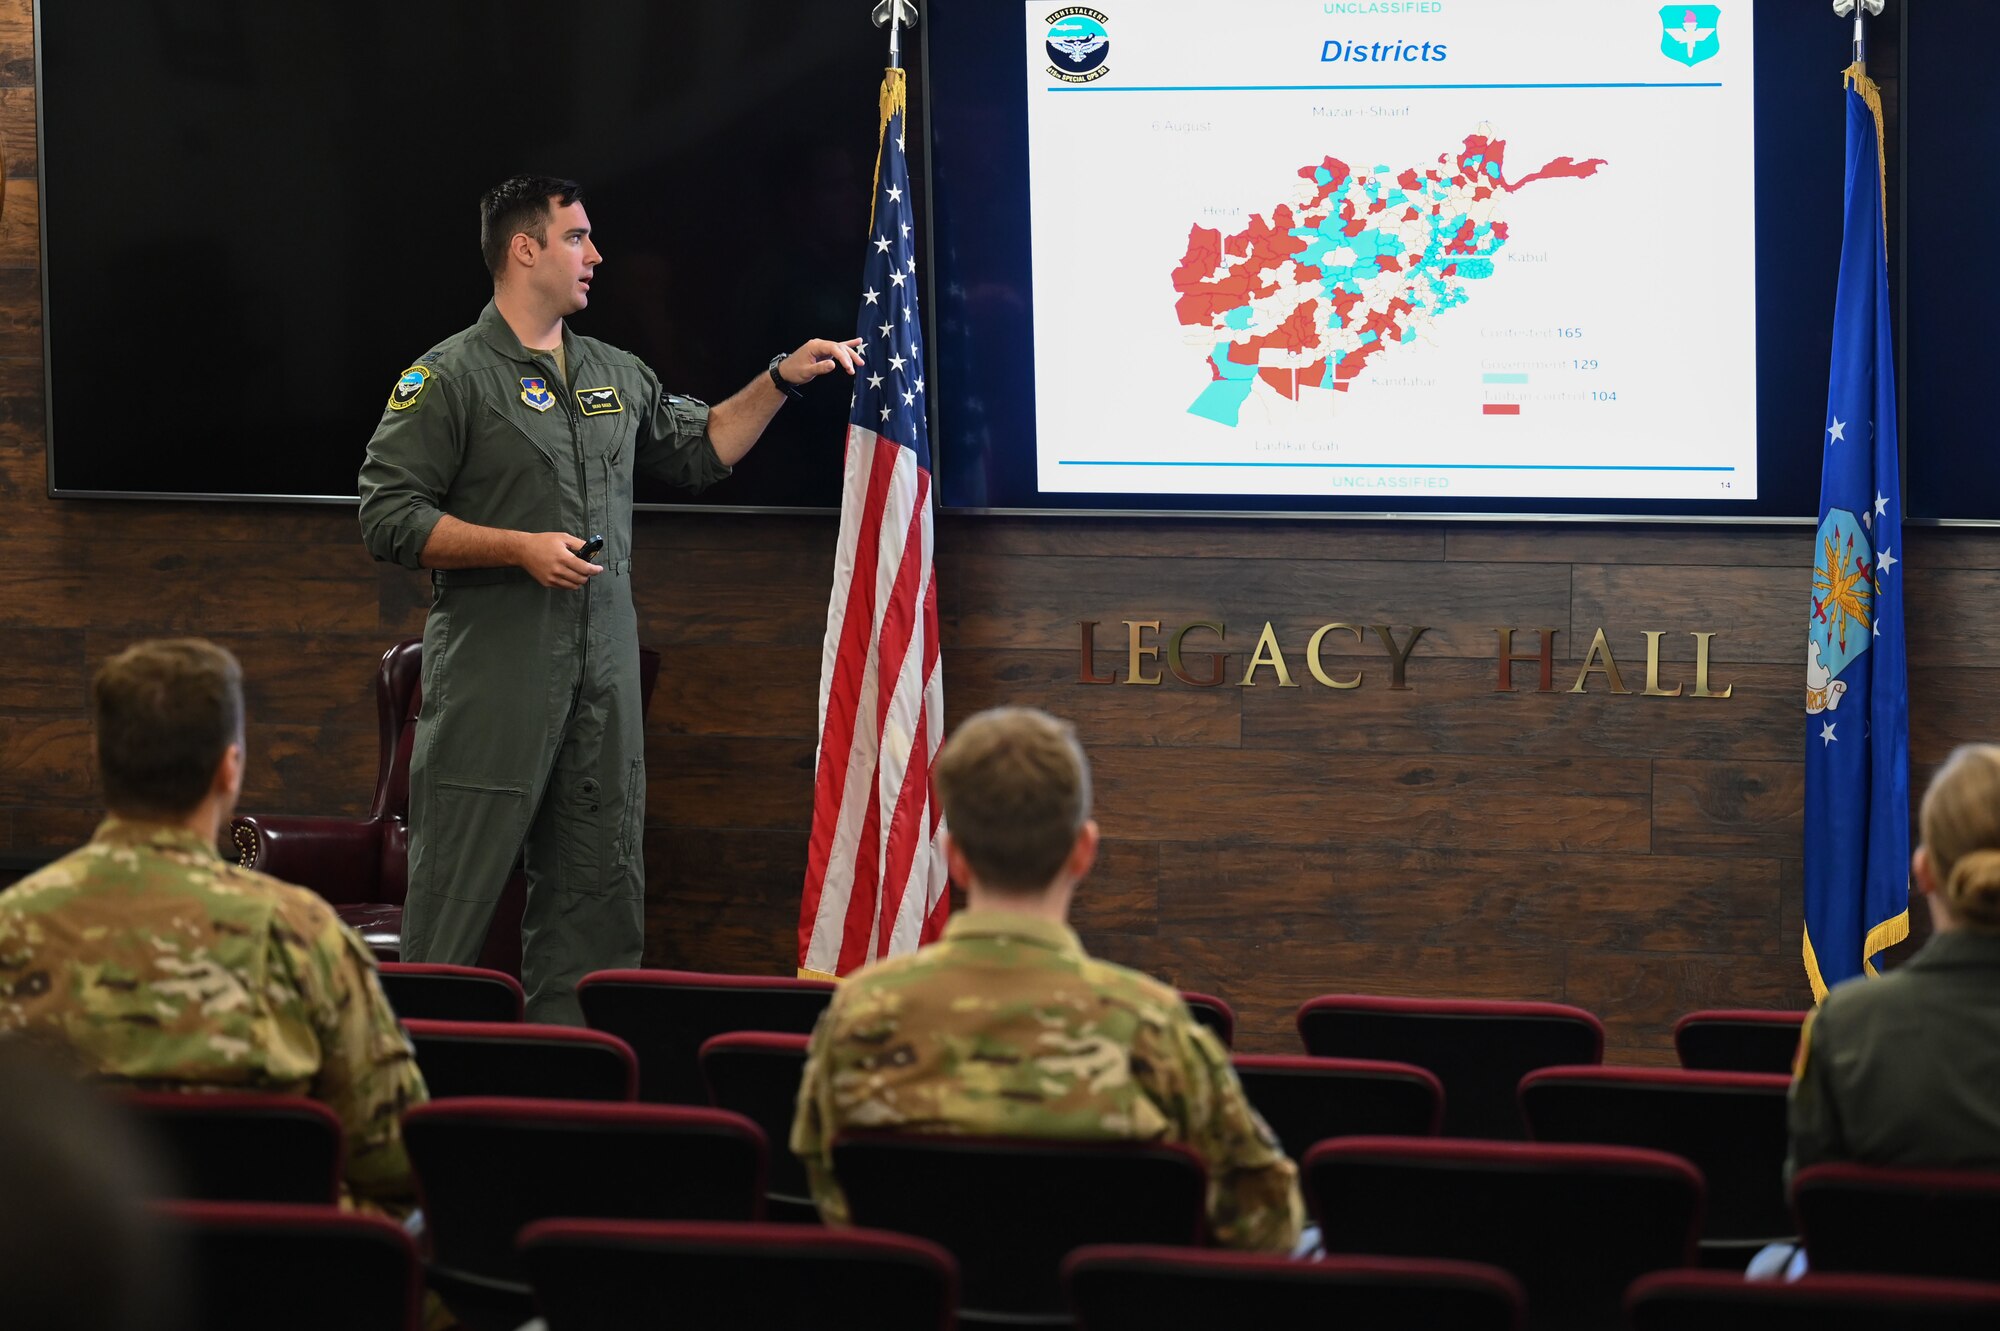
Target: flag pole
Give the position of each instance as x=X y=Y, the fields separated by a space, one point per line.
x=905 y=12
x=1857 y=8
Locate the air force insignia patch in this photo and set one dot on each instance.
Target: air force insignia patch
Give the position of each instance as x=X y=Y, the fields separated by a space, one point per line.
x=409 y=388
x=535 y=392
x=599 y=401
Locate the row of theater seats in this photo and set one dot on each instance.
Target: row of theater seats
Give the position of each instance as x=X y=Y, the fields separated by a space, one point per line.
x=1572 y=1226
x=613 y=1275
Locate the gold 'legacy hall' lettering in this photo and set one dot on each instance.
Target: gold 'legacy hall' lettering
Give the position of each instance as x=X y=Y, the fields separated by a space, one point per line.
x=1270 y=663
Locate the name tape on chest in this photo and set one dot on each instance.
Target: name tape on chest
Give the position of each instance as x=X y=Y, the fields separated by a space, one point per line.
x=409 y=388
x=599 y=401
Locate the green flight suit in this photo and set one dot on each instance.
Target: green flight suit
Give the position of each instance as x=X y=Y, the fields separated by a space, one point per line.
x=530 y=733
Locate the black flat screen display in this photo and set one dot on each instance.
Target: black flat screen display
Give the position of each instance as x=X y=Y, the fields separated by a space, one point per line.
x=257 y=215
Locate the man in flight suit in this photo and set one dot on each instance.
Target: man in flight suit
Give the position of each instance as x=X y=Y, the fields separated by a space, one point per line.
x=498 y=453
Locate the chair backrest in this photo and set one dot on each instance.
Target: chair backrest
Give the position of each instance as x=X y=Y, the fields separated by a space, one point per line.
x=1738 y=1040
x=1213 y=1013
x=487 y=1167
x=1724 y=1301
x=1011 y=1209
x=1306 y=1100
x=1920 y=1222
x=523 y=1060
x=596 y=1275
x=665 y=1015
x=1729 y=1125
x=433 y=991
x=248 y=1266
x=1574 y=1224
x=1135 y=1288
x=244 y=1146
x=757 y=1074
x=1480 y=1050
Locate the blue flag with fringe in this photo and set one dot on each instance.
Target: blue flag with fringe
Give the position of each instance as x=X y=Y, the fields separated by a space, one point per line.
x=1857 y=850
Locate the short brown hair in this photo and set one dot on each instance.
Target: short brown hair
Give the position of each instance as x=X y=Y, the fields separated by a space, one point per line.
x=1016 y=793
x=517 y=205
x=165 y=713
x=1960 y=822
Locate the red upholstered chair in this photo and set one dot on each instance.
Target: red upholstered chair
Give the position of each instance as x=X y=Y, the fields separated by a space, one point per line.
x=1134 y=1288
x=1574 y=1224
x=665 y=1015
x=1479 y=1050
x=1738 y=1040
x=515 y=1058
x=1729 y=1125
x=487 y=1167
x=1306 y=1100
x=432 y=992
x=244 y=1146
x=1720 y=1301
x=1213 y=1013
x=757 y=1074
x=362 y=865
x=601 y=1275
x=248 y=1266
x=1010 y=1209
x=1919 y=1222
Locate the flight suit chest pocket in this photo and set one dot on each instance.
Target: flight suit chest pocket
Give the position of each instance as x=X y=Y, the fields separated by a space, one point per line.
x=502 y=441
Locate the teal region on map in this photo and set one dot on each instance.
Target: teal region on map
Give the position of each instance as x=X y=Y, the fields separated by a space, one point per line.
x=1355 y=266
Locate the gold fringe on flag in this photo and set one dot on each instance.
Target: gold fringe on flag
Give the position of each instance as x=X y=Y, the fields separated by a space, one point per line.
x=896 y=97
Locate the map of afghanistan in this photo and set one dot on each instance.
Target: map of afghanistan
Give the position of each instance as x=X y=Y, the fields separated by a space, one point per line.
x=1353 y=266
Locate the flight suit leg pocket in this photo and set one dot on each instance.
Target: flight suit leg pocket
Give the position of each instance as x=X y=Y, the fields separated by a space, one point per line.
x=588 y=817
x=473 y=832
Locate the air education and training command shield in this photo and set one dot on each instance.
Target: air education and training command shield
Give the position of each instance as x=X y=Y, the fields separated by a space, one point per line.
x=1689 y=33
x=1843 y=613
x=535 y=392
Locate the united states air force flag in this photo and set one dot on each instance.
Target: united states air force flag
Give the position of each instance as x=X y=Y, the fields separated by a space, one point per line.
x=1857 y=853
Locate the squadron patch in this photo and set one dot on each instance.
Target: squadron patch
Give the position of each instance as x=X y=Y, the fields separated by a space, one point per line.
x=409 y=388
x=535 y=392
x=599 y=401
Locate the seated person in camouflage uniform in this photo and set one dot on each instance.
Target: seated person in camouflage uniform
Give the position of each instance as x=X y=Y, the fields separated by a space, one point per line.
x=1904 y=1070
x=159 y=965
x=1006 y=1027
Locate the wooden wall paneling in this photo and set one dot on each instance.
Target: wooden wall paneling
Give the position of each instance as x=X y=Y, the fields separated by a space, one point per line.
x=1639 y=995
x=1171 y=715
x=1489 y=803
x=1757 y=613
x=1452 y=706
x=1663 y=543
x=1719 y=808
x=44 y=671
x=1036 y=602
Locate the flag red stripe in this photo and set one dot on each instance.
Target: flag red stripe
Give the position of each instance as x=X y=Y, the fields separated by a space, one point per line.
x=844 y=694
x=905 y=824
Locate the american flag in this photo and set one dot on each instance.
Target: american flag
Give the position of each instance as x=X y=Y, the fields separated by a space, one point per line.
x=875 y=878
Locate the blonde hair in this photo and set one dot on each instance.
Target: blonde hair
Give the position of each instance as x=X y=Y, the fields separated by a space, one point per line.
x=1960 y=824
x=1016 y=793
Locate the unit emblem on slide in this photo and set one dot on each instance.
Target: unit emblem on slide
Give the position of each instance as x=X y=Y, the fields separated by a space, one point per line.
x=599 y=401
x=1078 y=45
x=1843 y=608
x=535 y=392
x=1689 y=35
x=409 y=388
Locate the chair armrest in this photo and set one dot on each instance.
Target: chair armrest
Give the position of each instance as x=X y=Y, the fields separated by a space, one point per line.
x=339 y=858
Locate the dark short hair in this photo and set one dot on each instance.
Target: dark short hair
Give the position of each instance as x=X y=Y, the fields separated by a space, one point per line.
x=165 y=712
x=517 y=205
x=1015 y=787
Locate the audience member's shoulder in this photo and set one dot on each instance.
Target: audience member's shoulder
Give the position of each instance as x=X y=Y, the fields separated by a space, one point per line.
x=1136 y=987
x=301 y=908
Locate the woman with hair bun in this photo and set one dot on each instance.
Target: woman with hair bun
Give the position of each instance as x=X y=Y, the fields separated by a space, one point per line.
x=1905 y=1069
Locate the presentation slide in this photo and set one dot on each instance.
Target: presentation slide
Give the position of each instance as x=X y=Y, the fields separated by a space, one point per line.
x=1422 y=248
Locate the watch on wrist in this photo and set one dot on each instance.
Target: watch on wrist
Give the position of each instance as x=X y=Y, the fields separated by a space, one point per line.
x=782 y=384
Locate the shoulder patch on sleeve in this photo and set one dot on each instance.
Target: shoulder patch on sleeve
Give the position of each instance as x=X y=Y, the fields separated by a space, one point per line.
x=410 y=387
